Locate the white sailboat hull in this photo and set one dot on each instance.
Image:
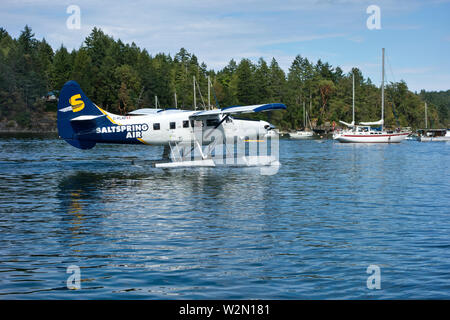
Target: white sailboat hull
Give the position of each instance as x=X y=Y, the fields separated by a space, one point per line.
x=430 y=139
x=301 y=135
x=355 y=137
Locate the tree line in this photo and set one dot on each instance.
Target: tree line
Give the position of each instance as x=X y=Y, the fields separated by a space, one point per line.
x=122 y=77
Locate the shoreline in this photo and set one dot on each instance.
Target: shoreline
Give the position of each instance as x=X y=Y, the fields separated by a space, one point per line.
x=27 y=131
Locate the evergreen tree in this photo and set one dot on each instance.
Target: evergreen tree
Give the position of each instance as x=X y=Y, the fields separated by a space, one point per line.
x=82 y=71
x=262 y=81
x=61 y=67
x=120 y=77
x=245 y=85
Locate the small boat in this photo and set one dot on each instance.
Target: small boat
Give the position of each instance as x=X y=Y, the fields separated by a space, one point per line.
x=430 y=135
x=302 y=134
x=412 y=137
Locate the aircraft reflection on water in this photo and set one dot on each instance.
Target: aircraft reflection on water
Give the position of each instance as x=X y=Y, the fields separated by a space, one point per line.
x=87 y=196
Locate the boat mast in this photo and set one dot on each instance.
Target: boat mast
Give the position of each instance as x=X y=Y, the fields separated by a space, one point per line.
x=195 y=98
x=382 y=94
x=304 y=116
x=353 y=103
x=209 y=93
x=426 y=119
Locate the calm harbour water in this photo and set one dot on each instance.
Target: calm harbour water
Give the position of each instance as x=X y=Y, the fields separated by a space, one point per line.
x=308 y=232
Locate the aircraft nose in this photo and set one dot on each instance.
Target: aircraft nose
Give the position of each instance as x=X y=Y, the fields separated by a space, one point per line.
x=268 y=126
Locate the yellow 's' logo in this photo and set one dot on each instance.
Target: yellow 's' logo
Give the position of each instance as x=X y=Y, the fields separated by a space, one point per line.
x=76 y=103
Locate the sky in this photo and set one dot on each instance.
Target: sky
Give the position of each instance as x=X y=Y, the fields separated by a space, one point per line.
x=415 y=33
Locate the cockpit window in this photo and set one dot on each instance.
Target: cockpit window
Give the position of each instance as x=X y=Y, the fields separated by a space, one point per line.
x=212 y=122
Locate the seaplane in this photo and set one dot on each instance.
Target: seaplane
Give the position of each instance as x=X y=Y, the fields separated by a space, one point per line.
x=190 y=137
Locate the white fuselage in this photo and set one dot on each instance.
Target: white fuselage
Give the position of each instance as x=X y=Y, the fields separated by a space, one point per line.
x=163 y=128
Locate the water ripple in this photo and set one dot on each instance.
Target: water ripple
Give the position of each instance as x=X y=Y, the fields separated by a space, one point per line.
x=308 y=232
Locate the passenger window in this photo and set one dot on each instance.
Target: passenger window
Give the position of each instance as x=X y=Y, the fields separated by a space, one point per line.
x=172 y=125
x=186 y=124
x=156 y=126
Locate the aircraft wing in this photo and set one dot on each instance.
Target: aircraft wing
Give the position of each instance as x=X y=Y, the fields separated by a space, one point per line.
x=239 y=109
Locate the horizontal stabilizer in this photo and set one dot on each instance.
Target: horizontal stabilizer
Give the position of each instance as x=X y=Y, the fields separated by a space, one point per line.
x=86 y=118
x=84 y=124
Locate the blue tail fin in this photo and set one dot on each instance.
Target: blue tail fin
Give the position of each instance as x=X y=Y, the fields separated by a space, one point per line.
x=72 y=104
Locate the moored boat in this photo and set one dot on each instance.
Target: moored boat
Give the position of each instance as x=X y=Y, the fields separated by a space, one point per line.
x=412 y=137
x=430 y=135
x=364 y=133
x=301 y=135
x=305 y=133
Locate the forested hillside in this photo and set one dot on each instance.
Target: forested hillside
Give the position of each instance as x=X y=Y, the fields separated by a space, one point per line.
x=440 y=99
x=122 y=77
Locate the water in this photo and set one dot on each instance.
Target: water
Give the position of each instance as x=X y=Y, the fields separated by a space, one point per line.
x=308 y=232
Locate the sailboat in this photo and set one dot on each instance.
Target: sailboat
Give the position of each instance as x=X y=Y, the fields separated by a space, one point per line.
x=302 y=134
x=363 y=132
x=429 y=135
